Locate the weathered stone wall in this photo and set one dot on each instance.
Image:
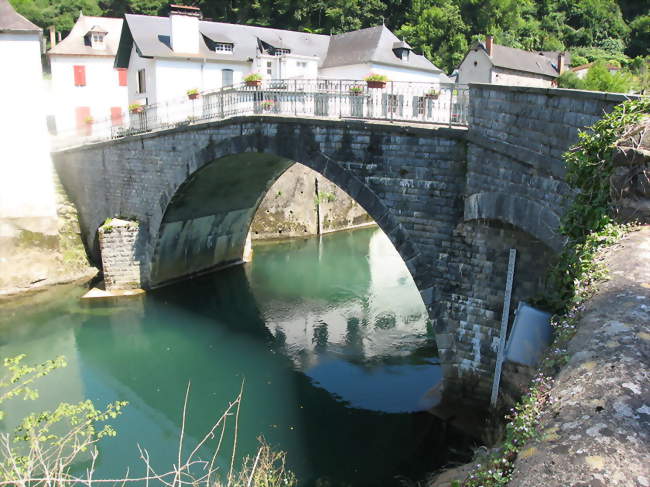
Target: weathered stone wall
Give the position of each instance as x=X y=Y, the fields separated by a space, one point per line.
x=121 y=254
x=293 y=205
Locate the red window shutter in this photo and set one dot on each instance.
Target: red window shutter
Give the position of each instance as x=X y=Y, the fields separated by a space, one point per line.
x=121 y=72
x=80 y=75
x=83 y=128
x=116 y=116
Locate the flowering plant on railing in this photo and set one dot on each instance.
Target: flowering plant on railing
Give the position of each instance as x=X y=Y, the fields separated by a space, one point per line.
x=89 y=120
x=432 y=93
x=267 y=105
x=355 y=90
x=193 y=93
x=136 y=108
x=375 y=80
x=253 y=79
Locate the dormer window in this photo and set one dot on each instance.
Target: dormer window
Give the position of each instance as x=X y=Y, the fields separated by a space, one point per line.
x=223 y=47
x=278 y=51
x=98 y=39
x=95 y=38
x=402 y=50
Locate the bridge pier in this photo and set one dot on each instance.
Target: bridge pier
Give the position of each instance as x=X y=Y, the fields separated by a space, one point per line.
x=121 y=247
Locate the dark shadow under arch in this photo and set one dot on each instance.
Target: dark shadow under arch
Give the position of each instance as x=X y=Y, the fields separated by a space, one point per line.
x=206 y=220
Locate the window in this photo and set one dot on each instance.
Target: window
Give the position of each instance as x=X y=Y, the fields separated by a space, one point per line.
x=301 y=64
x=223 y=47
x=269 y=67
x=142 y=82
x=79 y=75
x=280 y=51
x=98 y=38
x=116 y=116
x=83 y=119
x=226 y=77
x=121 y=77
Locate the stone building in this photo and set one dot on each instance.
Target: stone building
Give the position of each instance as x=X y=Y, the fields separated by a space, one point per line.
x=487 y=62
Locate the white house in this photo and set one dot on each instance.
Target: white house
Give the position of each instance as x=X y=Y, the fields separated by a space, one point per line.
x=582 y=70
x=26 y=186
x=166 y=56
x=85 y=85
x=487 y=62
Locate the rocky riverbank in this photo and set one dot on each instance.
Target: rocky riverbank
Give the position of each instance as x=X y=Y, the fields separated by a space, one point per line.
x=32 y=263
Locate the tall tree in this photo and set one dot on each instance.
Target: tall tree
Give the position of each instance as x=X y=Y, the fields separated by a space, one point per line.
x=436 y=28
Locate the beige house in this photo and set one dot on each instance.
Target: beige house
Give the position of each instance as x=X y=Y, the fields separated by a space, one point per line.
x=487 y=62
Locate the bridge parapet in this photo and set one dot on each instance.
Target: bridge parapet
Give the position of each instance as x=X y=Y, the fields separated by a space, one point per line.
x=395 y=101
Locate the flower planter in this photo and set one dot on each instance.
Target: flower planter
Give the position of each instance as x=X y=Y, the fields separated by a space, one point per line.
x=193 y=96
x=376 y=84
x=432 y=96
x=137 y=110
x=254 y=82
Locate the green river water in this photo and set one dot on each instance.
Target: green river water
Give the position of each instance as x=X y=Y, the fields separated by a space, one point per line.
x=329 y=336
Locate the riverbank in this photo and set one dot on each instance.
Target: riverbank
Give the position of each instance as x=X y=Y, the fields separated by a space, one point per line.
x=595 y=429
x=32 y=263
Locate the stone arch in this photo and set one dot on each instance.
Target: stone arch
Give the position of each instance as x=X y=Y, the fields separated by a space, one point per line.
x=530 y=216
x=207 y=216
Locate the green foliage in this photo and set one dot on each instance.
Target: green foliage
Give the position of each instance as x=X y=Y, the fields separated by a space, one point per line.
x=436 y=29
x=376 y=77
x=46 y=443
x=598 y=78
x=639 y=44
x=588 y=223
x=496 y=469
x=442 y=30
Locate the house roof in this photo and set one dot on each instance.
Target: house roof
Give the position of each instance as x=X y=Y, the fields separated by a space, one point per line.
x=151 y=36
x=12 y=21
x=537 y=62
x=152 y=39
x=371 y=45
x=75 y=43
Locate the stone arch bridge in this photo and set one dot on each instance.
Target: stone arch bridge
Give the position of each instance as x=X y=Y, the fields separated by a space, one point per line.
x=452 y=200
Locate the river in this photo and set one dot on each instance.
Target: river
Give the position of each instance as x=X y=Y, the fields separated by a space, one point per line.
x=329 y=337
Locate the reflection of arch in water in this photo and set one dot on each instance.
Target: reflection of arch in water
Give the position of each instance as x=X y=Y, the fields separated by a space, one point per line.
x=208 y=216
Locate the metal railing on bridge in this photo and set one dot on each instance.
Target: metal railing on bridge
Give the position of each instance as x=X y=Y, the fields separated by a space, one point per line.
x=396 y=101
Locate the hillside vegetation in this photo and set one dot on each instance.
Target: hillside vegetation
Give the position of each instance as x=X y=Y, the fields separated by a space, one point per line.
x=615 y=31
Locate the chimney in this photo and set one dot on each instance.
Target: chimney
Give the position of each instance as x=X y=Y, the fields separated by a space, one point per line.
x=561 y=62
x=488 y=44
x=52 y=36
x=185 y=35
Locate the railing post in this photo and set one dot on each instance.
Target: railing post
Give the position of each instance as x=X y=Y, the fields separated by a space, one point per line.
x=451 y=104
x=295 y=97
x=391 y=100
x=340 y=98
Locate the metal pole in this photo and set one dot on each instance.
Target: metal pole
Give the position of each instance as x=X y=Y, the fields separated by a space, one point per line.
x=391 y=101
x=504 y=326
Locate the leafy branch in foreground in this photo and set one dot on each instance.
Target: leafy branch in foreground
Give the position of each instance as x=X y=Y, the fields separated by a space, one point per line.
x=43 y=449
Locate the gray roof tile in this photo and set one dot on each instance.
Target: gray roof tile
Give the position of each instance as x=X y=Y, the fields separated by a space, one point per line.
x=12 y=21
x=74 y=43
x=544 y=63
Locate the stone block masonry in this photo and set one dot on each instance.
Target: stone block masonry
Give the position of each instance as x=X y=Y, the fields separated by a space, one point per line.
x=452 y=201
x=119 y=242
